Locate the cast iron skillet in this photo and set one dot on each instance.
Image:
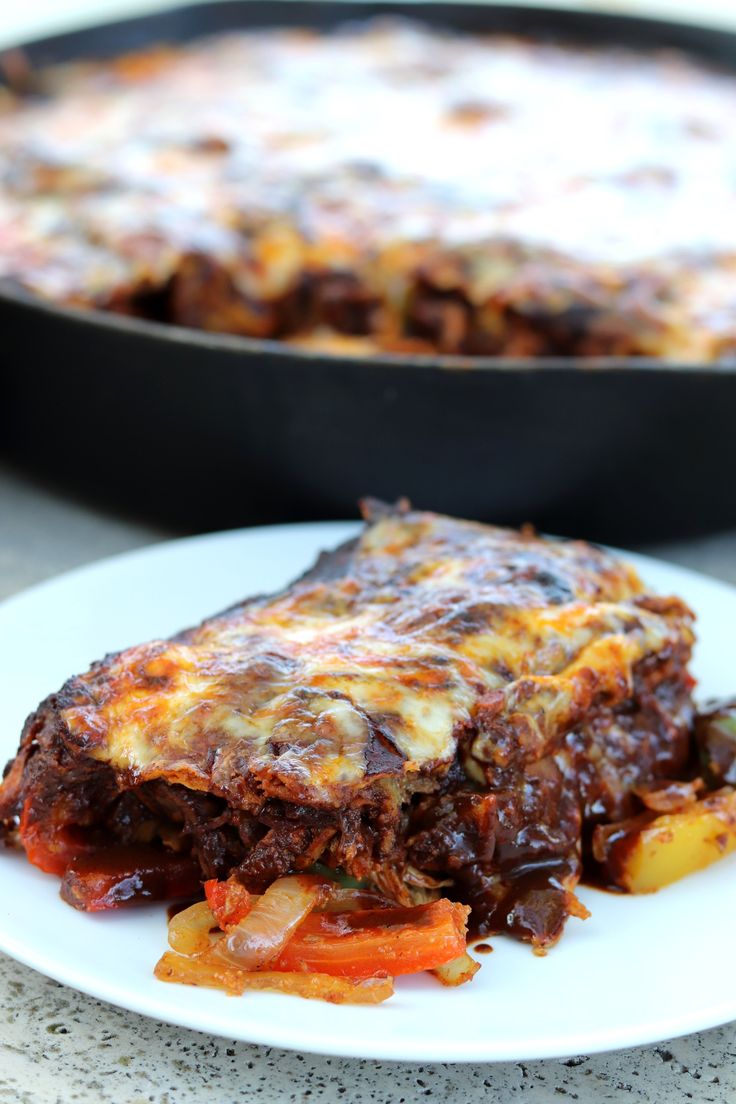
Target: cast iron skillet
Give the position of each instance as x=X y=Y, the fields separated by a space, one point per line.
x=205 y=430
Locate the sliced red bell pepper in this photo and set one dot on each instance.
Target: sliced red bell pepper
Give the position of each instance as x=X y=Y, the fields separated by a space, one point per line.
x=230 y=901
x=117 y=876
x=49 y=846
x=376 y=942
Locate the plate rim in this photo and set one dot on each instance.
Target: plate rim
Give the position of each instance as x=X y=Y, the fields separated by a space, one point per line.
x=297 y=1035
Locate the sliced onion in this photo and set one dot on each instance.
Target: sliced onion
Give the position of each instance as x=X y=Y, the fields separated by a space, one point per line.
x=205 y=970
x=213 y=973
x=336 y=990
x=189 y=930
x=272 y=921
x=576 y=907
x=458 y=971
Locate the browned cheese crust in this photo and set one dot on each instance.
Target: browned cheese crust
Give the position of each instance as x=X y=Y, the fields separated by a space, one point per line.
x=438 y=705
x=385 y=187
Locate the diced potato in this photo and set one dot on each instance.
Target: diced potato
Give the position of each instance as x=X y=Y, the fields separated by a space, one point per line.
x=647 y=854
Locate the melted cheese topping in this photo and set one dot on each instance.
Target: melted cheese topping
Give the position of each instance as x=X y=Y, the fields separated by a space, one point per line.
x=546 y=176
x=430 y=627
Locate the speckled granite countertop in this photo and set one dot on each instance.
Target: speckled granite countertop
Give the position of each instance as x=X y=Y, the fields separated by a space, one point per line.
x=58 y=1047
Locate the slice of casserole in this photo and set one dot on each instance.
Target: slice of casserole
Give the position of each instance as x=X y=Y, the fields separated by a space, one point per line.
x=436 y=708
x=385 y=186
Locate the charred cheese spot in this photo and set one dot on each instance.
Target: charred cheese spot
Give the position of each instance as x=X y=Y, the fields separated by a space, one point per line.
x=435 y=627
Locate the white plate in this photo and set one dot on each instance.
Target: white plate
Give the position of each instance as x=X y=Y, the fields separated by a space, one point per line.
x=638 y=971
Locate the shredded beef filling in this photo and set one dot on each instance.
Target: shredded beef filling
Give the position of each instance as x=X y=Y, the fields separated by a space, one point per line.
x=509 y=841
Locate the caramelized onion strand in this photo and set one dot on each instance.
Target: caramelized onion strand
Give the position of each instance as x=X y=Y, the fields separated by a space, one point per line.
x=189 y=930
x=261 y=936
